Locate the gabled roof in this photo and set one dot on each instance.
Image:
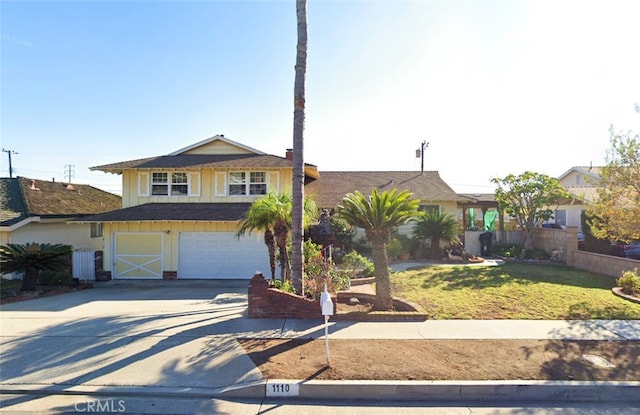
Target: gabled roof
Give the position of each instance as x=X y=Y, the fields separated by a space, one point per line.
x=332 y=186
x=21 y=198
x=589 y=171
x=198 y=161
x=166 y=212
x=217 y=152
x=221 y=138
x=12 y=206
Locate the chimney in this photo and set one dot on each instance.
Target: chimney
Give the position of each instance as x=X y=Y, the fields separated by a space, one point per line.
x=289 y=154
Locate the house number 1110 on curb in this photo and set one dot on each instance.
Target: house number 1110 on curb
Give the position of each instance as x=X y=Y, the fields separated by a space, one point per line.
x=282 y=389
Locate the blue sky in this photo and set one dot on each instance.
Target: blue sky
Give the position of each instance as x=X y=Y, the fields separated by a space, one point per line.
x=495 y=87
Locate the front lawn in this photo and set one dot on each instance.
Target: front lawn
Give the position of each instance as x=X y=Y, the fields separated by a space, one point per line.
x=512 y=291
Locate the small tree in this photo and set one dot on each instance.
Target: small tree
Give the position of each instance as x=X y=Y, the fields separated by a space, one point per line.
x=379 y=215
x=528 y=198
x=436 y=227
x=272 y=214
x=31 y=258
x=616 y=212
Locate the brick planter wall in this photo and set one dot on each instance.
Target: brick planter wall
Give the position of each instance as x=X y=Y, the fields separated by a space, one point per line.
x=265 y=302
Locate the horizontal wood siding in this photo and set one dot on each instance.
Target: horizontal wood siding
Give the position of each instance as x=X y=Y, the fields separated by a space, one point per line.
x=203 y=187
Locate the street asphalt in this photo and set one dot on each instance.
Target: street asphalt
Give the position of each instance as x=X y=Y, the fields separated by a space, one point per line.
x=177 y=339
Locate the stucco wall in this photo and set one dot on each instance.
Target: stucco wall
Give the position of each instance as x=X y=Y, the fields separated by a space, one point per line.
x=57 y=233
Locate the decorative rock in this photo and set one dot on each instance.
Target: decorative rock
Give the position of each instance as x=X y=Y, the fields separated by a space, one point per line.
x=353 y=301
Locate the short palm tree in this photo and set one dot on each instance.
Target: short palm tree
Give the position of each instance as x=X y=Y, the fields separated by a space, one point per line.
x=436 y=227
x=379 y=215
x=31 y=258
x=258 y=218
x=272 y=215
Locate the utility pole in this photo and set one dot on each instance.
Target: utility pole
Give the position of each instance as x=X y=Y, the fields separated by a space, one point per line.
x=420 y=154
x=9 y=153
x=69 y=171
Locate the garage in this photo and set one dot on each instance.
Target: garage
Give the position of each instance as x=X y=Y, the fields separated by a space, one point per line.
x=221 y=255
x=138 y=255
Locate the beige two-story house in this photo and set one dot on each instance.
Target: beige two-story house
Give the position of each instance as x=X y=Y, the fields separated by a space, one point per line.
x=180 y=212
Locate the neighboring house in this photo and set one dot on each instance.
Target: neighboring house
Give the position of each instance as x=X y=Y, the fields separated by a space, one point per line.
x=180 y=212
x=582 y=184
x=329 y=190
x=39 y=211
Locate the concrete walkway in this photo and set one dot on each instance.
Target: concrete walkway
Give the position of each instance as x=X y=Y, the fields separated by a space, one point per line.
x=177 y=338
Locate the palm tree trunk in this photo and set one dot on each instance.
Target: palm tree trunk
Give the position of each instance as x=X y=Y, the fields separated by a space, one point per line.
x=271 y=247
x=30 y=280
x=383 y=301
x=435 y=249
x=297 y=231
x=281 y=233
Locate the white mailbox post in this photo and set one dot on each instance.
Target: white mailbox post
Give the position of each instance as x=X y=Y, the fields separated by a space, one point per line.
x=327 y=310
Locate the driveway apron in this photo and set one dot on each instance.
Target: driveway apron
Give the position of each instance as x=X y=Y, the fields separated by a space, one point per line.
x=177 y=334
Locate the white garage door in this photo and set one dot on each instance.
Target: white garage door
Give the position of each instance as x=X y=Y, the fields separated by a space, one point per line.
x=221 y=255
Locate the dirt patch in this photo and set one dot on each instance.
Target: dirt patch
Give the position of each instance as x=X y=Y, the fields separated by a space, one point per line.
x=444 y=359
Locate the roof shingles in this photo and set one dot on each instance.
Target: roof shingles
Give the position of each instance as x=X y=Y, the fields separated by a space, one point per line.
x=166 y=212
x=22 y=197
x=330 y=189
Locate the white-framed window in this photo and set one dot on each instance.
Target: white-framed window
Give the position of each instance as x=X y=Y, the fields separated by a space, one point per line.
x=247 y=183
x=165 y=184
x=179 y=184
x=258 y=183
x=159 y=184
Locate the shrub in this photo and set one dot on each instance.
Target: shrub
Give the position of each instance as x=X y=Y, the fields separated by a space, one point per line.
x=536 y=253
x=355 y=264
x=284 y=286
x=320 y=271
x=55 y=278
x=513 y=251
x=394 y=247
x=629 y=282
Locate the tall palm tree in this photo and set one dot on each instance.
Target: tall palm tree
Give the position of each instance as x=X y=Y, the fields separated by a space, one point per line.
x=31 y=258
x=437 y=228
x=272 y=213
x=297 y=229
x=379 y=215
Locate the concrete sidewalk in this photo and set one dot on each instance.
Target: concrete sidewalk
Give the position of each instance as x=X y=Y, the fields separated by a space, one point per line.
x=169 y=338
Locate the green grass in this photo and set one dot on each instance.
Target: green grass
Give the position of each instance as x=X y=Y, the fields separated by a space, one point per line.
x=512 y=291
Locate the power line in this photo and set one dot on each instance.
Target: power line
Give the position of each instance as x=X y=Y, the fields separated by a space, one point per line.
x=69 y=171
x=9 y=152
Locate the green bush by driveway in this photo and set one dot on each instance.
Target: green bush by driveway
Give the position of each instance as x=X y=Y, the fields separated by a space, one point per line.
x=512 y=291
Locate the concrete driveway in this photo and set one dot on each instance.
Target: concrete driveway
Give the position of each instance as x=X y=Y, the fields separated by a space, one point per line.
x=174 y=335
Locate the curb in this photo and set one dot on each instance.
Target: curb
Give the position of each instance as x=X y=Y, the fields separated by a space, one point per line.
x=548 y=391
x=371 y=390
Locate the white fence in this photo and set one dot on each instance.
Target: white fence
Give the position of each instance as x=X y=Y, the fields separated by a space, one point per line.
x=83 y=264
